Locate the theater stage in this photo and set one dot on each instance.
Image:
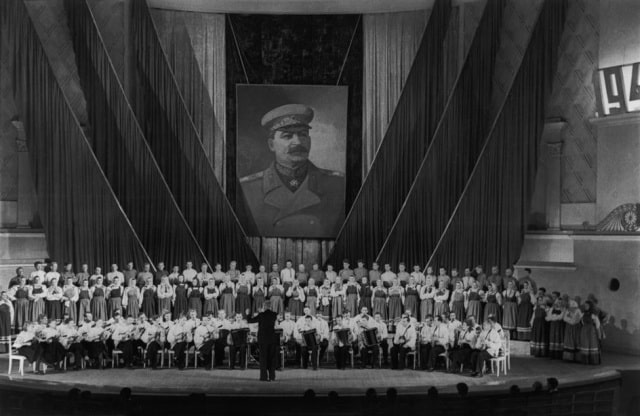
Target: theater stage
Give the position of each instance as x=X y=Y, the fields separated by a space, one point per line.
x=293 y=382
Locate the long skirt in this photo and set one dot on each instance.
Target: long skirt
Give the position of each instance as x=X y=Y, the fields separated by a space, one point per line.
x=211 y=307
x=54 y=310
x=72 y=310
x=5 y=328
x=243 y=302
x=196 y=304
x=523 y=324
x=556 y=339
x=395 y=308
x=411 y=304
x=365 y=302
x=474 y=309
x=571 y=342
x=380 y=306
x=180 y=307
x=228 y=304
x=115 y=304
x=351 y=304
x=84 y=308
x=510 y=315
x=133 y=309
x=492 y=308
x=37 y=308
x=164 y=304
x=325 y=310
x=589 y=350
x=426 y=309
x=277 y=305
x=21 y=313
x=336 y=307
x=99 y=308
x=441 y=308
x=539 y=344
x=296 y=308
x=458 y=309
x=310 y=302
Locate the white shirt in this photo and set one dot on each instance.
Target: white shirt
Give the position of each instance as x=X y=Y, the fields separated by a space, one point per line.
x=409 y=334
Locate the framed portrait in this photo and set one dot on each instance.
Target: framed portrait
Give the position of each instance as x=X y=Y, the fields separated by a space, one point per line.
x=291 y=158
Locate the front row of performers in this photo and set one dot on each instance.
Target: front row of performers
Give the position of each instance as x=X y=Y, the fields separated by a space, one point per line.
x=363 y=338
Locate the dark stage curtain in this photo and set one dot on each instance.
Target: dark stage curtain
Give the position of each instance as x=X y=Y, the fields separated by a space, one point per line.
x=82 y=218
x=489 y=222
x=122 y=150
x=401 y=151
x=452 y=153
x=307 y=50
x=176 y=145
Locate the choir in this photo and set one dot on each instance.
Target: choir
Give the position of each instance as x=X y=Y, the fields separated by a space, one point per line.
x=365 y=314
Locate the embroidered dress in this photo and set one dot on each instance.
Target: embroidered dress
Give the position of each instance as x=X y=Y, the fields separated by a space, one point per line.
x=195 y=301
x=295 y=304
x=115 y=301
x=411 y=300
x=428 y=304
x=395 y=305
x=556 y=334
x=275 y=298
x=99 y=304
x=571 y=339
x=311 y=299
x=365 y=298
x=457 y=305
x=539 y=344
x=148 y=306
x=380 y=304
x=211 y=305
x=510 y=311
x=492 y=308
x=589 y=346
x=243 y=300
x=258 y=299
x=21 y=308
x=181 y=303
x=351 y=301
x=133 y=305
x=525 y=311
x=37 y=306
x=84 y=304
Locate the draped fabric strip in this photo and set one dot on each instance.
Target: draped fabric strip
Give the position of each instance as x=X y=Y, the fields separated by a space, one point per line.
x=453 y=151
x=122 y=150
x=81 y=215
x=176 y=145
x=402 y=149
x=489 y=221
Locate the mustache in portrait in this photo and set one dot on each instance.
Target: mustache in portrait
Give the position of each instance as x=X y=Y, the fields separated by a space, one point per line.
x=297 y=149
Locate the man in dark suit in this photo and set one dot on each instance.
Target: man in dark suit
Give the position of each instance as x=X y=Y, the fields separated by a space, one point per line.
x=268 y=341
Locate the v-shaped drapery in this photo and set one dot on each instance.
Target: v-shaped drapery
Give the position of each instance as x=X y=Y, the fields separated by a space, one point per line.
x=82 y=218
x=489 y=222
x=122 y=150
x=453 y=151
x=402 y=149
x=174 y=140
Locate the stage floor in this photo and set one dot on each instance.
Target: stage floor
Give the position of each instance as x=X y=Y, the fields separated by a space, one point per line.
x=293 y=381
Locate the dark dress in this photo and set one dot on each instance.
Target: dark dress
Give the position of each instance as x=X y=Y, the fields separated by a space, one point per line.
x=5 y=327
x=589 y=346
x=365 y=298
x=195 y=301
x=474 y=306
x=54 y=310
x=556 y=335
x=312 y=299
x=211 y=305
x=525 y=310
x=351 y=302
x=243 y=299
x=295 y=304
x=99 y=304
x=149 y=302
x=457 y=305
x=21 y=308
x=411 y=301
x=539 y=333
x=227 y=301
x=84 y=304
x=181 y=305
x=380 y=305
x=510 y=311
x=492 y=307
x=37 y=306
x=258 y=299
x=115 y=301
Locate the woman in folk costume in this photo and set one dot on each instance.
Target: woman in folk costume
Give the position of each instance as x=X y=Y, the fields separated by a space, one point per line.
x=441 y=299
x=98 y=301
x=311 y=296
x=458 y=301
x=114 y=293
x=337 y=298
x=296 y=300
x=20 y=294
x=493 y=302
x=180 y=301
x=352 y=295
x=510 y=309
x=228 y=296
x=474 y=302
x=539 y=344
x=132 y=299
x=573 y=325
x=259 y=294
x=526 y=300
x=427 y=302
x=276 y=296
x=325 y=300
x=54 y=298
x=84 y=300
x=243 y=295
x=194 y=295
x=555 y=315
x=164 y=293
x=70 y=296
x=379 y=301
x=411 y=297
x=211 y=294
x=396 y=302
x=589 y=342
x=6 y=320
x=366 y=294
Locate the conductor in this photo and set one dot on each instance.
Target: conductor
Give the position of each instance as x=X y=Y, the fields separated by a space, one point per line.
x=268 y=342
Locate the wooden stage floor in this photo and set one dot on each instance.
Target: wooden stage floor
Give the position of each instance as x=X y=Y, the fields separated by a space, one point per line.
x=293 y=381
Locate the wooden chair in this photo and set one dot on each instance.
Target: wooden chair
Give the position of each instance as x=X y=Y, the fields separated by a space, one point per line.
x=501 y=360
x=115 y=357
x=195 y=354
x=14 y=356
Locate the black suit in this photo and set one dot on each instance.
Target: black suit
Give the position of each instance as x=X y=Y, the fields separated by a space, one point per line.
x=268 y=343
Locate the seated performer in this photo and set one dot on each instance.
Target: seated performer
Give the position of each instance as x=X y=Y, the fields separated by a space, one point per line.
x=222 y=325
x=309 y=346
x=404 y=341
x=340 y=348
x=382 y=337
x=426 y=338
x=27 y=343
x=323 y=330
x=178 y=338
x=151 y=339
x=123 y=333
x=369 y=352
x=70 y=339
x=466 y=342
x=440 y=343
x=240 y=347
x=488 y=346
x=300 y=323
x=204 y=340
x=52 y=351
